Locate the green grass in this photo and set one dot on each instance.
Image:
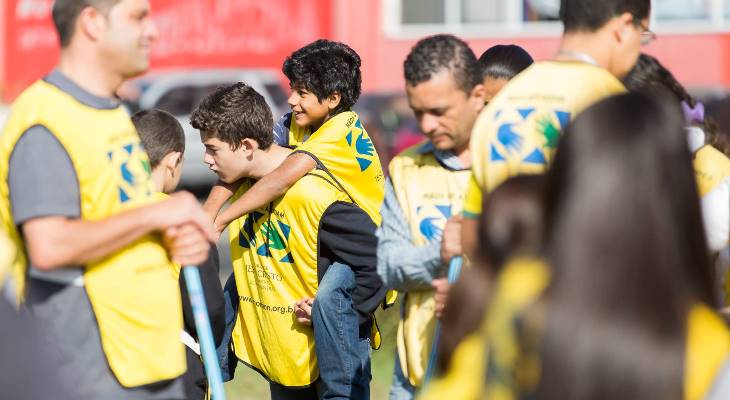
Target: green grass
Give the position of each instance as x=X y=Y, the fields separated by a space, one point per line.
x=249 y=385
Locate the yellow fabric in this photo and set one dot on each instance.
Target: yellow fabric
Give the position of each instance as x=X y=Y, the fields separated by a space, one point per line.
x=391 y=296
x=136 y=305
x=426 y=207
x=473 y=200
x=344 y=147
x=7 y=257
x=520 y=284
x=465 y=376
x=523 y=281
x=274 y=256
x=518 y=131
x=176 y=268
x=712 y=167
x=708 y=348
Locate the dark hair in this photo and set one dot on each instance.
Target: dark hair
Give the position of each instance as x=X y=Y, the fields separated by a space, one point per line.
x=434 y=54
x=513 y=221
x=233 y=113
x=628 y=254
x=504 y=61
x=649 y=75
x=160 y=132
x=592 y=15
x=325 y=67
x=511 y=225
x=66 y=12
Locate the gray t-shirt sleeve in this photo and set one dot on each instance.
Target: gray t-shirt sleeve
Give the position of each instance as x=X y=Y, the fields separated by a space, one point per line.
x=41 y=178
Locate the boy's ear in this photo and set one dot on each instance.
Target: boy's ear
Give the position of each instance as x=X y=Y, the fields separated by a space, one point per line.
x=249 y=145
x=171 y=160
x=333 y=100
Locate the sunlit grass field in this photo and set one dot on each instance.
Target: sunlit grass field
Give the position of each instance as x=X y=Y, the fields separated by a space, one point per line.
x=249 y=385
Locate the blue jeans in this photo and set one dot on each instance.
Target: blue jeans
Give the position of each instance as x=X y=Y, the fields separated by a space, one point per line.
x=401 y=388
x=343 y=357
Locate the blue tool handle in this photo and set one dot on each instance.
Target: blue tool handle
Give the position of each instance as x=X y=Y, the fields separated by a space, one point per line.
x=205 y=334
x=454 y=271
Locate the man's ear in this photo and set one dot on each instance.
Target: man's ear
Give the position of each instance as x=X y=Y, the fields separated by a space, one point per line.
x=90 y=23
x=477 y=95
x=621 y=25
x=333 y=100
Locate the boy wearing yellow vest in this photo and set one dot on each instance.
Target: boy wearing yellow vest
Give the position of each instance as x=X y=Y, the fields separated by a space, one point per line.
x=518 y=131
x=163 y=139
x=288 y=250
x=325 y=80
x=77 y=200
x=426 y=188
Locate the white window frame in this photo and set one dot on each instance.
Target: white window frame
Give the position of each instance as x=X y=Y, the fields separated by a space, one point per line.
x=514 y=26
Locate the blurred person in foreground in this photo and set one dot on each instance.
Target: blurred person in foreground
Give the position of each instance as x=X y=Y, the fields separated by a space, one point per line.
x=21 y=346
x=710 y=151
x=76 y=196
x=624 y=304
x=514 y=230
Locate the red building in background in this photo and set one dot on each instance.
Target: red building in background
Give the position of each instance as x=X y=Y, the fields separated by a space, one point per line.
x=260 y=33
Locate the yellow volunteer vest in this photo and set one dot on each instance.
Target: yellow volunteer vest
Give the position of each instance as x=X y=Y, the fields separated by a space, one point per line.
x=518 y=131
x=473 y=200
x=274 y=256
x=464 y=380
x=136 y=305
x=428 y=194
x=519 y=284
x=7 y=258
x=175 y=267
x=523 y=281
x=345 y=148
x=708 y=350
x=712 y=167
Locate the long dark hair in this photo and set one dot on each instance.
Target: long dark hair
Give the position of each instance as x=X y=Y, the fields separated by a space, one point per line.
x=628 y=254
x=512 y=225
x=649 y=75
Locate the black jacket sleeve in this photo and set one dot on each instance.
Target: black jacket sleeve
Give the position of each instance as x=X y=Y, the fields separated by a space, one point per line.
x=347 y=235
x=213 y=293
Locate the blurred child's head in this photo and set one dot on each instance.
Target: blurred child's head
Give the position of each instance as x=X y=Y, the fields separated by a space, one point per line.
x=512 y=225
x=627 y=253
x=513 y=221
x=650 y=76
x=500 y=64
x=164 y=140
x=234 y=121
x=325 y=80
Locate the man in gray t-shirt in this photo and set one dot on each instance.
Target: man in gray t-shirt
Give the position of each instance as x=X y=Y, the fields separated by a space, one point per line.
x=103 y=42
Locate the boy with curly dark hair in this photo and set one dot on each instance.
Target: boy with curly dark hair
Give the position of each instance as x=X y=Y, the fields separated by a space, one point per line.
x=326 y=135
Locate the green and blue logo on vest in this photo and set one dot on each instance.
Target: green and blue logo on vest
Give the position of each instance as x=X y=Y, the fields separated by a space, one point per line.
x=522 y=139
x=134 y=168
x=270 y=239
x=362 y=144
